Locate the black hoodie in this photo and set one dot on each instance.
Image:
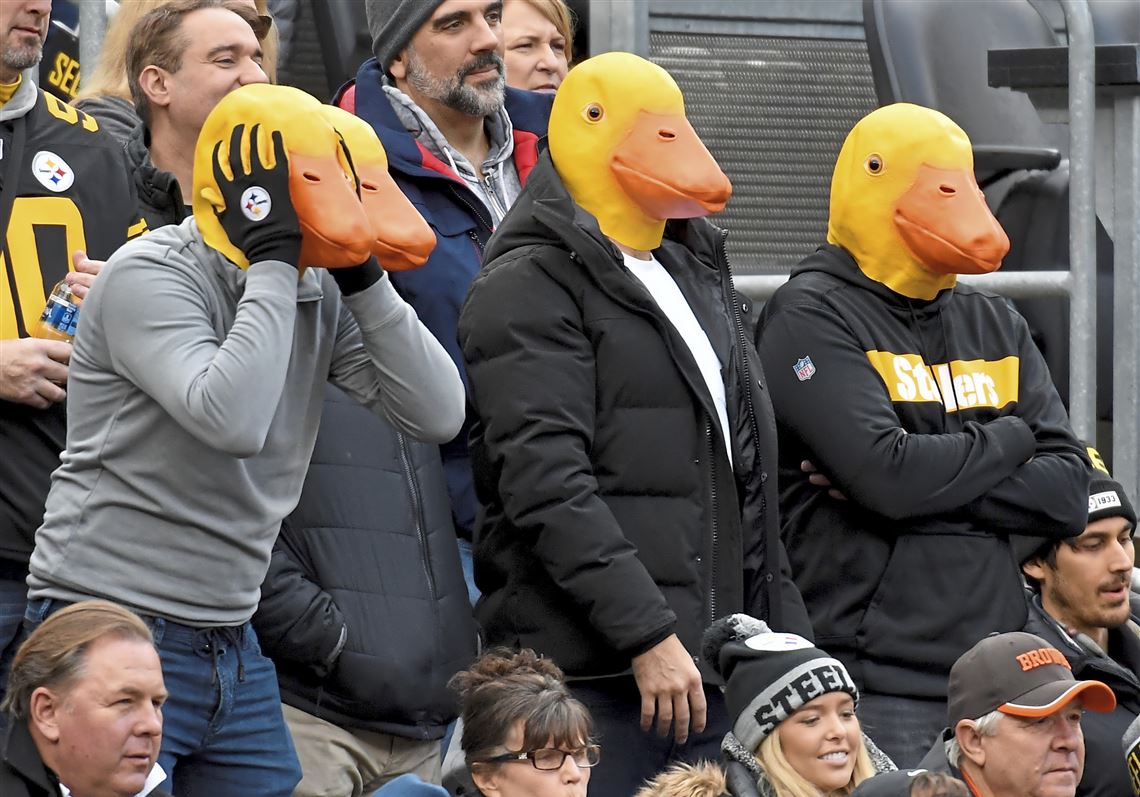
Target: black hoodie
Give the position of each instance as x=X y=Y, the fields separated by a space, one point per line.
x=939 y=466
x=612 y=515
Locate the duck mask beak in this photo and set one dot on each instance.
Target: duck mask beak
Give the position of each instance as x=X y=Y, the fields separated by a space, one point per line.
x=945 y=223
x=401 y=239
x=334 y=231
x=663 y=166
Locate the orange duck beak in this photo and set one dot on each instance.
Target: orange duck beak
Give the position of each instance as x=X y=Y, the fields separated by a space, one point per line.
x=944 y=221
x=334 y=230
x=666 y=170
x=401 y=239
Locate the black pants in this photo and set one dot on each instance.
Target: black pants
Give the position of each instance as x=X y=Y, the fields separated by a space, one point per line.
x=630 y=755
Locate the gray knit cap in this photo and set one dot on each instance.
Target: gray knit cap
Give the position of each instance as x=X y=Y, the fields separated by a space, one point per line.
x=393 y=23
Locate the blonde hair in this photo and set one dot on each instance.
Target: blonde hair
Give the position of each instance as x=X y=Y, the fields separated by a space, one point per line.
x=703 y=779
x=789 y=783
x=109 y=78
x=558 y=14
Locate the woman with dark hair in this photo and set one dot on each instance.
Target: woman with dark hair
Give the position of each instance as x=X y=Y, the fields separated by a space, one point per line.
x=524 y=734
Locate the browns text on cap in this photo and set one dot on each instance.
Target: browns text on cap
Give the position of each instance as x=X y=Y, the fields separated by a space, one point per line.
x=1019 y=674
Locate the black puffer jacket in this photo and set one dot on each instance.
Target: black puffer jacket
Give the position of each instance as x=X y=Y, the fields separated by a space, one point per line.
x=1106 y=774
x=160 y=197
x=364 y=609
x=612 y=516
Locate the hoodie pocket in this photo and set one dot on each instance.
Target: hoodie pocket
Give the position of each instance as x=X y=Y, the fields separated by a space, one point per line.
x=940 y=594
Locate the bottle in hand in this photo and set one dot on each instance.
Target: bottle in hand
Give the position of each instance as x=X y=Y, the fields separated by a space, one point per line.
x=60 y=316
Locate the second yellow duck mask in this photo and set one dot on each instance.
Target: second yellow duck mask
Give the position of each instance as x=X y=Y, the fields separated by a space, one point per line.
x=905 y=204
x=626 y=152
x=401 y=239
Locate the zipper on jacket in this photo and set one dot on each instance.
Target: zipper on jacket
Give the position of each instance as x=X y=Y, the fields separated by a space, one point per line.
x=710 y=441
x=489 y=185
x=418 y=517
x=771 y=552
x=458 y=195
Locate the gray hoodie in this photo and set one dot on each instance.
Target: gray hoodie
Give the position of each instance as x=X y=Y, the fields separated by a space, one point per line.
x=194 y=397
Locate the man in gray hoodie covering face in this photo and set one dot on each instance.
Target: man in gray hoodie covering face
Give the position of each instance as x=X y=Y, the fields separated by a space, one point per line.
x=196 y=393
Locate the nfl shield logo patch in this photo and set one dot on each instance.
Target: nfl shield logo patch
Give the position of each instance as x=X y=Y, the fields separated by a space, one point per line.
x=805 y=369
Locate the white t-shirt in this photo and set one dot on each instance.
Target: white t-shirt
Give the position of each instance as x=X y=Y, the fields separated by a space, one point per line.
x=669 y=298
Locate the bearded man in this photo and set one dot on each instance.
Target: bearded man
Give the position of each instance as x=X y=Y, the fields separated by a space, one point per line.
x=460 y=145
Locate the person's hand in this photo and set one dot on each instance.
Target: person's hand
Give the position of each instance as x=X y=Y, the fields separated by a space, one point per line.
x=819 y=480
x=33 y=371
x=670 y=687
x=86 y=270
x=258 y=217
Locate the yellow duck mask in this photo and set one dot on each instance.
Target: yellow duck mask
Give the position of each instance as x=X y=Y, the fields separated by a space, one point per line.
x=401 y=239
x=905 y=204
x=335 y=232
x=625 y=151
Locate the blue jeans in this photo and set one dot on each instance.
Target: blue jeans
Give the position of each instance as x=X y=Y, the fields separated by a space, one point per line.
x=409 y=786
x=13 y=602
x=223 y=733
x=466 y=561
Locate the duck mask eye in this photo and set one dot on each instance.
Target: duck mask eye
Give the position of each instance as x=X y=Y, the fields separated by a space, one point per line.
x=593 y=112
x=873 y=164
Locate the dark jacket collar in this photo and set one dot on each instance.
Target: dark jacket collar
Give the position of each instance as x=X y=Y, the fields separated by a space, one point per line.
x=528 y=110
x=158 y=191
x=1085 y=657
x=838 y=262
x=22 y=757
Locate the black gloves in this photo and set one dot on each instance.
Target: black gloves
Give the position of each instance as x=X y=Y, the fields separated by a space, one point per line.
x=258 y=218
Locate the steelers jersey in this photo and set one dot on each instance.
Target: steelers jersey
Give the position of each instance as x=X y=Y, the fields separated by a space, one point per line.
x=70 y=189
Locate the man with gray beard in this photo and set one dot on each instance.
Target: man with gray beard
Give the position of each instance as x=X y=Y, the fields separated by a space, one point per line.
x=460 y=145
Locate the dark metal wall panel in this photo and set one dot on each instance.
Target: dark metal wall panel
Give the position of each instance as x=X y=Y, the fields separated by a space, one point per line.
x=774 y=112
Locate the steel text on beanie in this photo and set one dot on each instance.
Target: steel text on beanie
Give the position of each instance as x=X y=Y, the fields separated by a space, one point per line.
x=768 y=675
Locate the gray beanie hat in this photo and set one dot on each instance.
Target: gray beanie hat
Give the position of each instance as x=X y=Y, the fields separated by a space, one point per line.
x=393 y=23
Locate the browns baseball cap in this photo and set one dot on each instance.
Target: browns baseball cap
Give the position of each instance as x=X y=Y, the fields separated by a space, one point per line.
x=1020 y=674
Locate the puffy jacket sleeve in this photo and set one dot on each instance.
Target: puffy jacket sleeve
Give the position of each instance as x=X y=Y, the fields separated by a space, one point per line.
x=389 y=361
x=1048 y=495
x=531 y=370
x=845 y=417
x=297 y=622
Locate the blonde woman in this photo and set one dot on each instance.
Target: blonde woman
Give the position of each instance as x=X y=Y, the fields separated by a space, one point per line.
x=538 y=36
x=794 y=730
x=106 y=96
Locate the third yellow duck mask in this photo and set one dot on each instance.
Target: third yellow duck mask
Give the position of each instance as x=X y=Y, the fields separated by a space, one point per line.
x=905 y=204
x=626 y=152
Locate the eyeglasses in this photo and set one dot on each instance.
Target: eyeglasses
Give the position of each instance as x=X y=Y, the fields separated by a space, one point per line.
x=549 y=758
